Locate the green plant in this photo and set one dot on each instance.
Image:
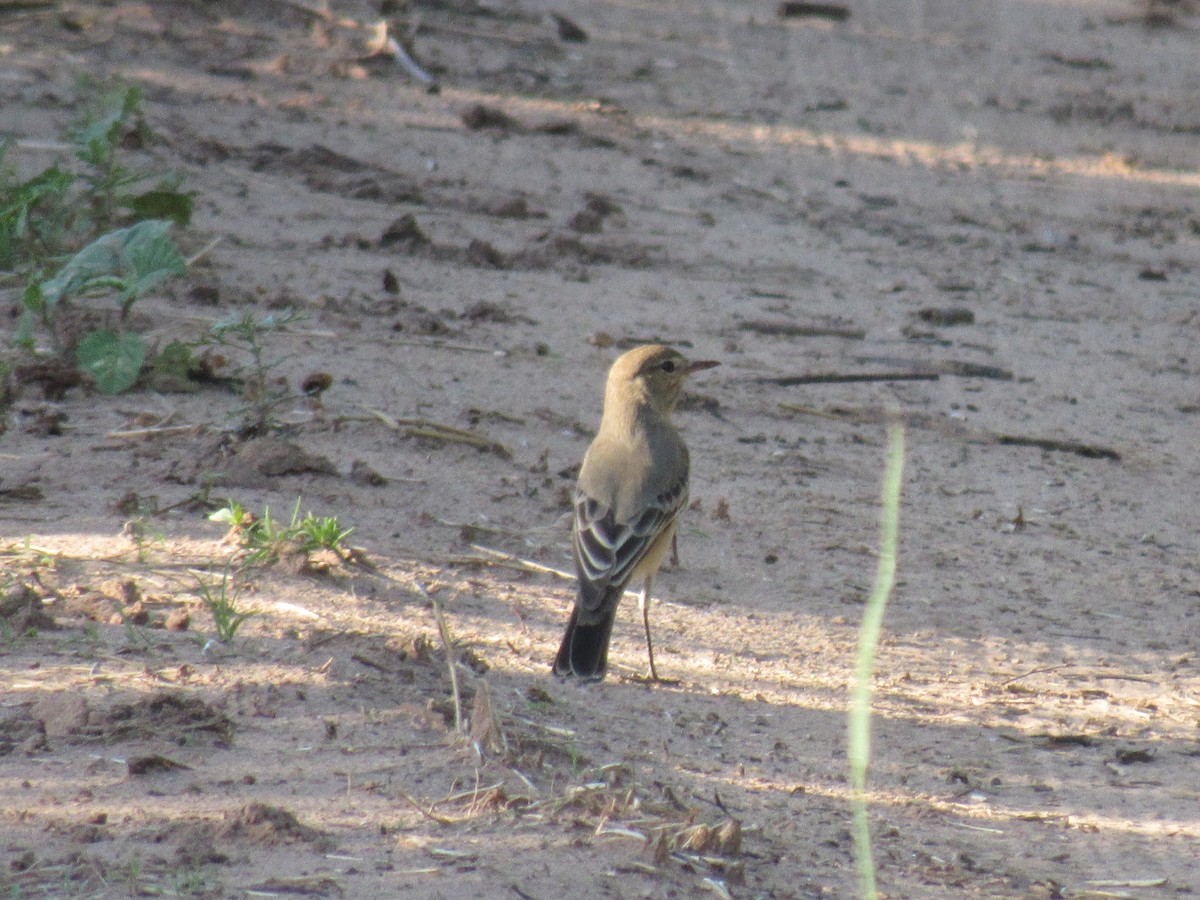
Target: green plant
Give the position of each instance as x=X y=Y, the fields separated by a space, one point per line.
x=859 y=739
x=135 y=635
x=143 y=535
x=221 y=600
x=35 y=215
x=260 y=537
x=198 y=881
x=26 y=554
x=246 y=334
x=325 y=533
x=64 y=206
x=265 y=540
x=74 y=208
x=88 y=641
x=8 y=634
x=120 y=266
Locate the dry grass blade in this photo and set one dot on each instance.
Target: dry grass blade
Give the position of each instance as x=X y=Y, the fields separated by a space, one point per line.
x=485 y=725
x=439 y=431
x=521 y=564
x=429 y=813
x=448 y=647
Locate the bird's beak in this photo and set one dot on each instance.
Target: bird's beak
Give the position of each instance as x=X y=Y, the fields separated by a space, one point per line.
x=701 y=364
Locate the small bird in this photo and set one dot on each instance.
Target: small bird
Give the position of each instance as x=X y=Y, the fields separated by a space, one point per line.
x=632 y=486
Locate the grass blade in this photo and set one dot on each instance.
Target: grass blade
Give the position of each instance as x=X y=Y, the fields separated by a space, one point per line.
x=859 y=739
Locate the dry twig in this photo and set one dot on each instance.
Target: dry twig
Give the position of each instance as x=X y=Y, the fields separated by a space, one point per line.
x=448 y=647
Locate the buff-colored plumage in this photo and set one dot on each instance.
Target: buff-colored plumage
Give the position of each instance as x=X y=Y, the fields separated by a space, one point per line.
x=632 y=486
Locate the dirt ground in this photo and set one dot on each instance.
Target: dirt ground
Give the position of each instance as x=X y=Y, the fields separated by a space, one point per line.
x=998 y=198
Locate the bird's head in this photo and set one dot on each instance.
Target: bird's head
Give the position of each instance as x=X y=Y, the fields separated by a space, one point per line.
x=652 y=374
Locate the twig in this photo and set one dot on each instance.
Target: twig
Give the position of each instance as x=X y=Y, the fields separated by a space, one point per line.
x=410 y=65
x=1090 y=451
x=490 y=529
x=437 y=344
x=1038 y=671
x=48 y=146
x=448 y=647
x=438 y=431
x=956 y=367
x=810 y=411
x=204 y=251
x=549 y=729
x=847 y=377
x=867 y=414
x=441 y=820
x=527 y=565
x=790 y=329
x=834 y=12
x=473 y=793
x=973 y=370
x=1121 y=676
x=155 y=431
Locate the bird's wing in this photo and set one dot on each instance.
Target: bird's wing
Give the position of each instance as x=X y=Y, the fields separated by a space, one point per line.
x=607 y=551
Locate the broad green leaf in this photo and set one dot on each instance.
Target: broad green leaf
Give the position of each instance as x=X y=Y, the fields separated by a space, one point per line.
x=151 y=255
x=113 y=359
x=129 y=260
x=97 y=135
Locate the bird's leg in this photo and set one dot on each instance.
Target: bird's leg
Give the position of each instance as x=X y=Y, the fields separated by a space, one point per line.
x=675 y=550
x=644 y=606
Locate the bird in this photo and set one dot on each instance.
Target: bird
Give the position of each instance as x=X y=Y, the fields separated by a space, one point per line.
x=632 y=486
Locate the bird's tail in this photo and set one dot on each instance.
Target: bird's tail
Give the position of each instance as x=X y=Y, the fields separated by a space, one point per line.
x=584 y=649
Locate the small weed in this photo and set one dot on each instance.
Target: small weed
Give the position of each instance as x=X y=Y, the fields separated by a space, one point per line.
x=73 y=208
x=144 y=536
x=28 y=556
x=326 y=533
x=8 y=634
x=200 y=881
x=263 y=393
x=135 y=635
x=221 y=600
x=265 y=540
x=261 y=538
x=133 y=874
x=575 y=758
x=120 y=266
x=88 y=641
x=61 y=208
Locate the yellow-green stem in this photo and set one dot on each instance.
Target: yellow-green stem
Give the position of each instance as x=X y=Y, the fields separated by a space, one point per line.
x=859 y=739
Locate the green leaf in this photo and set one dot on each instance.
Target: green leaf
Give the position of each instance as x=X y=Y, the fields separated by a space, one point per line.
x=99 y=134
x=33 y=309
x=129 y=260
x=25 y=330
x=174 y=205
x=33 y=299
x=113 y=359
x=150 y=254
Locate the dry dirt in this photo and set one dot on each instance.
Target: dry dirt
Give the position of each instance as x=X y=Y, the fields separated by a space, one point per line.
x=792 y=196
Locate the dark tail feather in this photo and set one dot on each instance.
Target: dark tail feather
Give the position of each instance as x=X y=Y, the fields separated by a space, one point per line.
x=584 y=649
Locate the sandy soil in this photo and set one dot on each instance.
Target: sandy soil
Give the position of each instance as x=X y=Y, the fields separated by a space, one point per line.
x=791 y=196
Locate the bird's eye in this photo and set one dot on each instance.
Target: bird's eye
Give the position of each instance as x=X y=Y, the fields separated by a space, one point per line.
x=668 y=366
